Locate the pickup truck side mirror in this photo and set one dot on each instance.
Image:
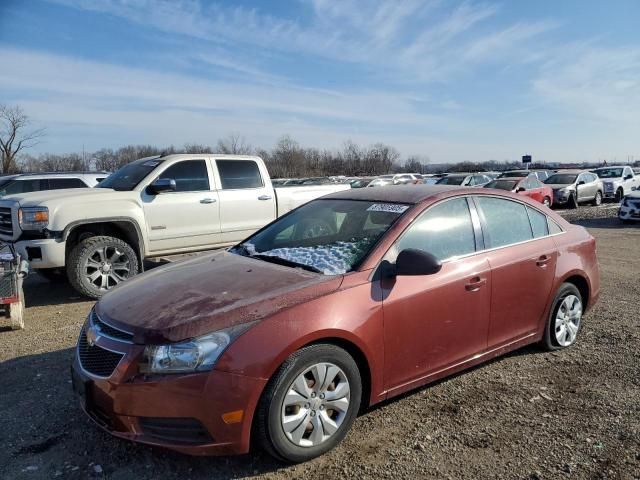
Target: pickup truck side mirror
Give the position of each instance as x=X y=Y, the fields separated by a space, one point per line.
x=162 y=185
x=412 y=261
x=628 y=177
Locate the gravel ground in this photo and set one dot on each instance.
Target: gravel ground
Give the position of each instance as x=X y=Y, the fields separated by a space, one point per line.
x=569 y=414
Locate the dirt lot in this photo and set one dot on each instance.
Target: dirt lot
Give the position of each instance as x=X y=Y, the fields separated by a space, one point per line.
x=571 y=414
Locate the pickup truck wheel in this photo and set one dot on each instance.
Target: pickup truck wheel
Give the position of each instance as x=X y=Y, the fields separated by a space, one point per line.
x=97 y=264
x=619 y=195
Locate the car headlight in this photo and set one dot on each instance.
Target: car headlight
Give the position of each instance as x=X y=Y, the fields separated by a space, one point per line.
x=195 y=355
x=33 y=218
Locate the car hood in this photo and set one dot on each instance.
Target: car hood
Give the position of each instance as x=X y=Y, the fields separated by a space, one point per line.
x=38 y=198
x=559 y=186
x=207 y=293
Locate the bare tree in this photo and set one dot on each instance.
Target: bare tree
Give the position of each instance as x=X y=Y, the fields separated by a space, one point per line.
x=14 y=135
x=234 y=144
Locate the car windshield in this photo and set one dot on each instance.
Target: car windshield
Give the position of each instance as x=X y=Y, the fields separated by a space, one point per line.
x=325 y=236
x=609 y=172
x=561 y=179
x=502 y=184
x=128 y=177
x=451 y=180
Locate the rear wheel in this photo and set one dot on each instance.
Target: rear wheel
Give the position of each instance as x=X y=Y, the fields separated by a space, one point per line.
x=310 y=403
x=597 y=201
x=565 y=318
x=98 y=264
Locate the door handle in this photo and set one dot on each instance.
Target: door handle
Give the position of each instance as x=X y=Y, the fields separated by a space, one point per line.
x=264 y=197
x=208 y=200
x=475 y=284
x=543 y=260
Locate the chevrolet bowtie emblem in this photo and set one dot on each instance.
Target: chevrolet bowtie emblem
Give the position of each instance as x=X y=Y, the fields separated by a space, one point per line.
x=92 y=336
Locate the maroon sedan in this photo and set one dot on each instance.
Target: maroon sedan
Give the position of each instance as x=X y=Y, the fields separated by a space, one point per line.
x=345 y=302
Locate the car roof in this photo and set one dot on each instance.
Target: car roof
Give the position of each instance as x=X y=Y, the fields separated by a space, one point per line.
x=518 y=179
x=412 y=194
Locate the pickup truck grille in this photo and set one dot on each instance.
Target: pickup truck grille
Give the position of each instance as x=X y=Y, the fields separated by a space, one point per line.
x=6 y=222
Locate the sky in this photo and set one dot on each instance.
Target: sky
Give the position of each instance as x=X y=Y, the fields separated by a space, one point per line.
x=442 y=79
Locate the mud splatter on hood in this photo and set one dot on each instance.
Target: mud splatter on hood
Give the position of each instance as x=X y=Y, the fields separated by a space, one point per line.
x=207 y=293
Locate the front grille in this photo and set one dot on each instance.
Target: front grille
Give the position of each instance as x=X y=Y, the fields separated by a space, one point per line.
x=188 y=431
x=6 y=222
x=97 y=360
x=107 y=330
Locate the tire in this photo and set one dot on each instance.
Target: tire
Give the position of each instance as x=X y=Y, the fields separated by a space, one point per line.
x=546 y=201
x=300 y=444
x=92 y=254
x=553 y=338
x=619 y=195
x=53 y=275
x=597 y=200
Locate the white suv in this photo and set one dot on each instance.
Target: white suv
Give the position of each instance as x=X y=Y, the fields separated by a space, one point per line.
x=36 y=182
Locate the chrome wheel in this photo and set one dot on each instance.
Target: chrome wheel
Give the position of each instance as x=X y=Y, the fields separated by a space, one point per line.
x=106 y=267
x=315 y=405
x=547 y=202
x=568 y=320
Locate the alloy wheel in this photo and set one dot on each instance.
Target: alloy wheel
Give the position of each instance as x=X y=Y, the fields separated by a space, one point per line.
x=315 y=405
x=106 y=267
x=567 y=321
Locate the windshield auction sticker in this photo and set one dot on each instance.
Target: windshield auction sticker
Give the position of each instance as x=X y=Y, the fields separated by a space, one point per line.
x=387 y=207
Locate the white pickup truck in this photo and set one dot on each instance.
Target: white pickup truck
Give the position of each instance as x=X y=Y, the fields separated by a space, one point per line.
x=151 y=207
x=617 y=181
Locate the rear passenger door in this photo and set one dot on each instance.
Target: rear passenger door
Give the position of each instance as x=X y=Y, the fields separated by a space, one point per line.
x=247 y=201
x=523 y=259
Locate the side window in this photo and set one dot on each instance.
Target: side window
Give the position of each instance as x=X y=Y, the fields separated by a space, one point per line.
x=22 y=186
x=538 y=223
x=506 y=221
x=527 y=183
x=535 y=183
x=444 y=230
x=236 y=174
x=627 y=172
x=190 y=175
x=59 y=183
x=553 y=227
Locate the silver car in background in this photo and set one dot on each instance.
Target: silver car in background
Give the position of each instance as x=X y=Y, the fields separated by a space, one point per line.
x=572 y=187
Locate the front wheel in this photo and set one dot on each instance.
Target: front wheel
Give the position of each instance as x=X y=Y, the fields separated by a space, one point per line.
x=547 y=202
x=98 y=264
x=597 y=201
x=619 y=195
x=565 y=318
x=309 y=404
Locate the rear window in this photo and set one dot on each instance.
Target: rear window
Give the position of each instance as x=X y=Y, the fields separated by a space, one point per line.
x=237 y=174
x=502 y=184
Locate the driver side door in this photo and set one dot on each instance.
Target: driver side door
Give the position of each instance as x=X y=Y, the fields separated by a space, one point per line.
x=188 y=217
x=433 y=322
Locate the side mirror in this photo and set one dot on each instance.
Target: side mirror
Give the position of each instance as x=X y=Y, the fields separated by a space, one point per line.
x=581 y=182
x=416 y=262
x=162 y=185
x=520 y=189
x=628 y=177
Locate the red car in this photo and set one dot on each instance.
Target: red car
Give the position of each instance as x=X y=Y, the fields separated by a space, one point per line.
x=347 y=301
x=529 y=186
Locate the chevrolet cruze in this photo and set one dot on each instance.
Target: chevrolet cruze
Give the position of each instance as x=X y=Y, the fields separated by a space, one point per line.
x=347 y=301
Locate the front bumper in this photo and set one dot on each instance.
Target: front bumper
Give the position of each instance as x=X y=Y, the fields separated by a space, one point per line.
x=42 y=253
x=181 y=412
x=630 y=212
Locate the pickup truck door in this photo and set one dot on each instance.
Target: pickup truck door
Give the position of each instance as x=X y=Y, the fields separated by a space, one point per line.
x=247 y=199
x=188 y=217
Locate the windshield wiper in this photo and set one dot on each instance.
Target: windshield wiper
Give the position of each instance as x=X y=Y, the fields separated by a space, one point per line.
x=286 y=262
